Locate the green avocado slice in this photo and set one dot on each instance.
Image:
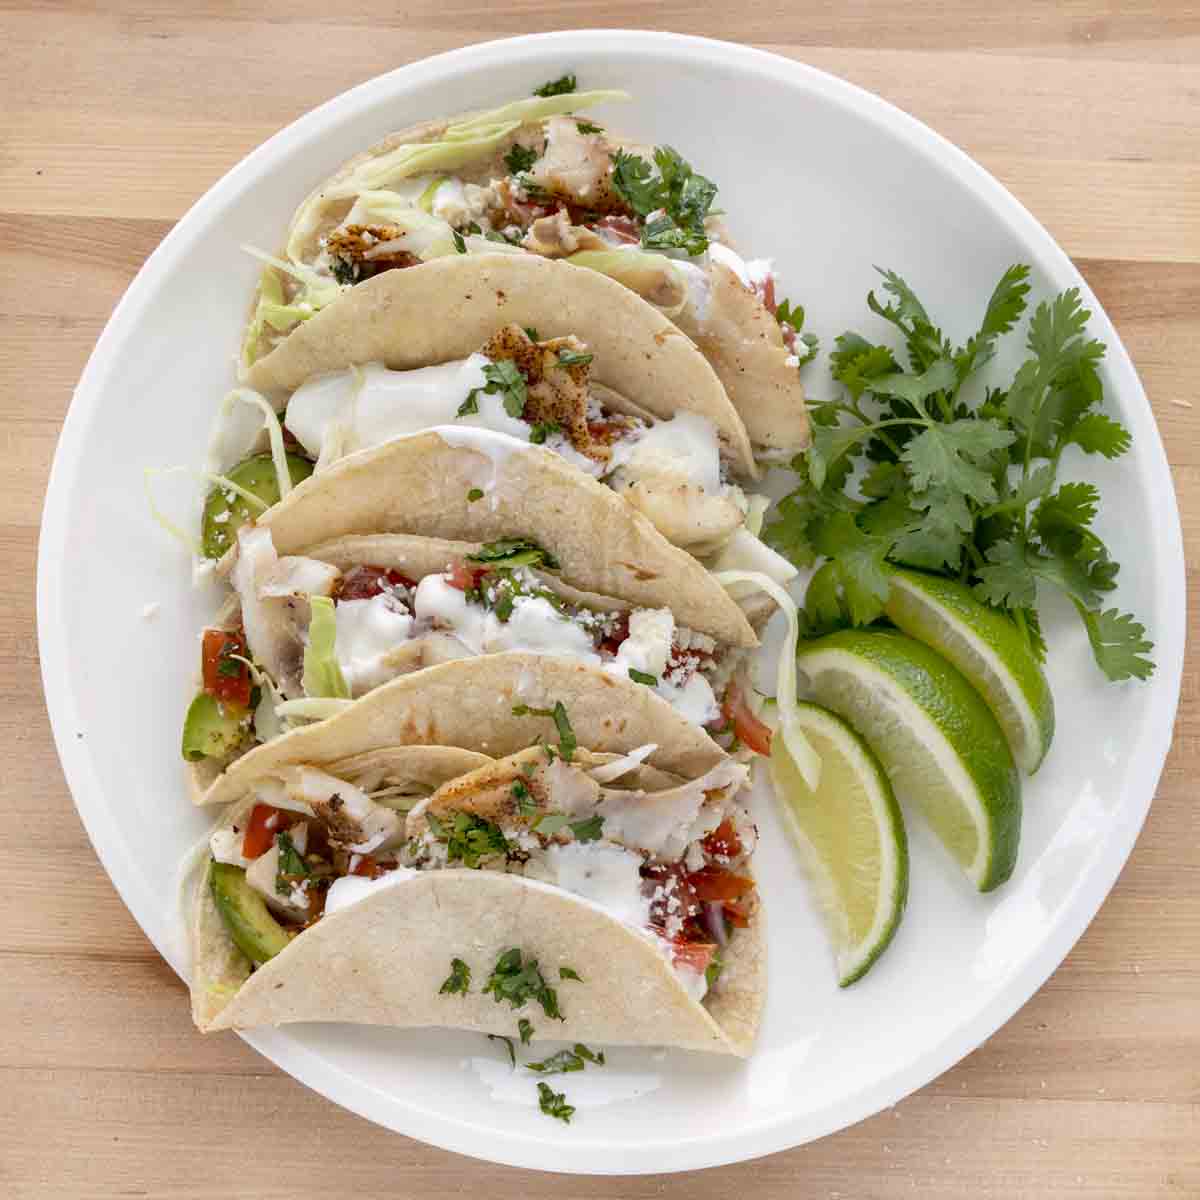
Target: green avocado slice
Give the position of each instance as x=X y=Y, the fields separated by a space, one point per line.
x=255 y=932
x=223 y=516
x=210 y=729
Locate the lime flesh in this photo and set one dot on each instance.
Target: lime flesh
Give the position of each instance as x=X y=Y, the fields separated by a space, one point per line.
x=851 y=838
x=987 y=648
x=942 y=749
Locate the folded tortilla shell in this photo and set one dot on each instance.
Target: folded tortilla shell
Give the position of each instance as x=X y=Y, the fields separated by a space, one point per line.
x=421 y=484
x=469 y=703
x=447 y=309
x=382 y=961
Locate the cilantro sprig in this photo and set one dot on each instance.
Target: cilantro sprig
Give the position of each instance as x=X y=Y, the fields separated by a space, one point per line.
x=469 y=839
x=670 y=200
x=562 y=86
x=517 y=979
x=965 y=488
x=503 y=379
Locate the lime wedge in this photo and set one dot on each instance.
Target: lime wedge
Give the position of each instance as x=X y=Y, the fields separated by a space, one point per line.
x=987 y=648
x=938 y=741
x=851 y=838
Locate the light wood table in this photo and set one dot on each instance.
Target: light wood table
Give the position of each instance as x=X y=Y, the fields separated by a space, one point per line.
x=115 y=118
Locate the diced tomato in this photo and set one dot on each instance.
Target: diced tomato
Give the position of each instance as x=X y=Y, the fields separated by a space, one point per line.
x=623 y=229
x=371 y=868
x=737 y=913
x=696 y=956
x=766 y=293
x=265 y=822
x=364 y=582
x=225 y=678
x=723 y=840
x=716 y=883
x=619 y=631
x=671 y=894
x=464 y=576
x=750 y=731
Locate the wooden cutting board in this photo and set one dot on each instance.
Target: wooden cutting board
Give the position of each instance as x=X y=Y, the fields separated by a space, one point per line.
x=113 y=119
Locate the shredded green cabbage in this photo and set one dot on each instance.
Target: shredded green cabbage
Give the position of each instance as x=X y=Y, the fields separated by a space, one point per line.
x=283 y=477
x=221 y=481
x=807 y=761
x=316 y=291
x=536 y=108
x=652 y=276
x=310 y=709
x=323 y=676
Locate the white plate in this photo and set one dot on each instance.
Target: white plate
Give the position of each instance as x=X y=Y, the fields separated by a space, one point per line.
x=829 y=180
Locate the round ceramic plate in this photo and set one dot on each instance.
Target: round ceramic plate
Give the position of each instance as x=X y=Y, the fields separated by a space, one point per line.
x=789 y=147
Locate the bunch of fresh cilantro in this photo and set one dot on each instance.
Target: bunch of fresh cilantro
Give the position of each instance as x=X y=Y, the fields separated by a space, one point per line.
x=961 y=489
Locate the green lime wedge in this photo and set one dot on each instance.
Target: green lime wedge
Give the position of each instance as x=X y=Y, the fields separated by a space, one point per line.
x=987 y=648
x=851 y=839
x=938 y=741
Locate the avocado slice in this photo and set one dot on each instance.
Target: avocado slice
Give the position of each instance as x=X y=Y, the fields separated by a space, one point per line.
x=254 y=931
x=210 y=729
x=223 y=516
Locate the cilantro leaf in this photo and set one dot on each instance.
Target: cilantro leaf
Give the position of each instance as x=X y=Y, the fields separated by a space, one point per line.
x=1119 y=643
x=557 y=1064
x=503 y=379
x=557 y=87
x=858 y=560
x=292 y=868
x=513 y=552
x=469 y=838
x=567 y=743
x=1004 y=309
x=512 y=1054
x=1006 y=581
x=672 y=201
x=551 y=823
x=587 y=127
x=955 y=456
x=569 y=973
x=460 y=244
x=542 y=430
x=458 y=982
x=574 y=358
x=588 y=830
x=518 y=981
x=554 y=1104
x=525 y=1029
x=643 y=677
x=1096 y=433
x=520 y=158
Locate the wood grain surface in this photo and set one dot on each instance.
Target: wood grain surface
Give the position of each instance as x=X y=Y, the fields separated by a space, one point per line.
x=113 y=118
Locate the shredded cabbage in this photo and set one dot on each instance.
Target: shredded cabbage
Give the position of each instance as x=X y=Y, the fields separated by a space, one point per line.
x=283 y=477
x=322 y=674
x=536 y=108
x=221 y=481
x=425 y=199
x=755 y=512
x=310 y=709
x=316 y=291
x=652 y=276
x=808 y=763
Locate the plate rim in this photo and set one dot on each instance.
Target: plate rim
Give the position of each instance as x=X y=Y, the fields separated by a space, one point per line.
x=581 y=1154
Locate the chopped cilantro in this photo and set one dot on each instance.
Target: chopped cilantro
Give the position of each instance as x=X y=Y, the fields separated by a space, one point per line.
x=671 y=202
x=514 y=552
x=574 y=358
x=713 y=971
x=532 y=334
x=557 y=87
x=518 y=159
x=519 y=981
x=468 y=838
x=643 y=677
x=542 y=430
x=567 y=743
x=965 y=489
x=551 y=823
x=526 y=805
x=512 y=1054
x=503 y=379
x=554 y=1104
x=458 y=982
x=569 y=973
x=568 y=1060
x=474 y=494
x=793 y=315
x=292 y=867
x=588 y=830
x=459 y=241
x=230 y=667
x=587 y=127
x=525 y=1029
